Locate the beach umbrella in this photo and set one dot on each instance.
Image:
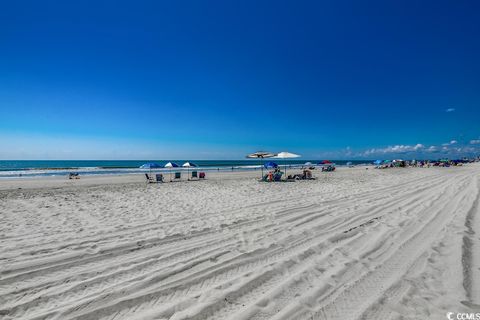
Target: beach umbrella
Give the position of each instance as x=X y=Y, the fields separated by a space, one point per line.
x=260 y=155
x=150 y=165
x=349 y=163
x=377 y=162
x=188 y=165
x=307 y=164
x=326 y=162
x=171 y=165
x=286 y=155
x=270 y=165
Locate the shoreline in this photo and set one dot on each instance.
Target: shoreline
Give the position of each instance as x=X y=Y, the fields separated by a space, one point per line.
x=88 y=180
x=58 y=181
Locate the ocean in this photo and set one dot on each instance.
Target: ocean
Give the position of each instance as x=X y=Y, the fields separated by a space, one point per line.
x=39 y=168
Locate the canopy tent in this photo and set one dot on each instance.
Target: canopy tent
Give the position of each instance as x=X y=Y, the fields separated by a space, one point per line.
x=189 y=165
x=171 y=165
x=261 y=155
x=286 y=155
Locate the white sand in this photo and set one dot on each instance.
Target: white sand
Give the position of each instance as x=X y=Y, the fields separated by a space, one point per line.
x=354 y=244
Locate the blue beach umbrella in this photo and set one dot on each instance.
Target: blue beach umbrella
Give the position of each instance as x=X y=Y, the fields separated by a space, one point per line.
x=150 y=165
x=378 y=162
x=270 y=165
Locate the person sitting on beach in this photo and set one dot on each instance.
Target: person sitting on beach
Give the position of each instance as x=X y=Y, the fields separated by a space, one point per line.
x=73 y=175
x=270 y=176
x=307 y=174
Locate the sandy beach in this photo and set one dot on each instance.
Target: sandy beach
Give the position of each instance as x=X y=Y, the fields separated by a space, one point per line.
x=353 y=244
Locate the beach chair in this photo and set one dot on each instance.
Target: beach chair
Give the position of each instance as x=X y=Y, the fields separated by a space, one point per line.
x=159 y=177
x=268 y=177
x=149 y=179
x=201 y=175
x=277 y=176
x=194 y=174
x=178 y=175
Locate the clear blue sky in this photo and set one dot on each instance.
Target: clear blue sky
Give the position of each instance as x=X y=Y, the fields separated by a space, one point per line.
x=218 y=79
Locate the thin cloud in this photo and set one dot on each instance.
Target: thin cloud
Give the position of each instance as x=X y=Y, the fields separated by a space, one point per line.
x=452 y=148
x=395 y=149
x=450 y=110
x=450 y=143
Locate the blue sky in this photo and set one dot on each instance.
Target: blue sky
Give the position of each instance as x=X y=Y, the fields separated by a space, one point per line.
x=219 y=79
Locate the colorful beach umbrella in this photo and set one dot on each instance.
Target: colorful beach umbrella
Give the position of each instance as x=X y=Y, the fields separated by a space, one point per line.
x=261 y=155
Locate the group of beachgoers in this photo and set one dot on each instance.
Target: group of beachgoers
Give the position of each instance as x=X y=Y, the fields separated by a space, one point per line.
x=305 y=173
x=385 y=164
x=276 y=174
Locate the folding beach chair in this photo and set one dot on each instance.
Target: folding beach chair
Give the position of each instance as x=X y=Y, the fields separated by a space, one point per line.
x=201 y=175
x=149 y=179
x=194 y=174
x=159 y=177
x=277 y=176
x=178 y=175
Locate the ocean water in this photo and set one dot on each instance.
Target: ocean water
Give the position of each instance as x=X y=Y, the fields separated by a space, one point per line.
x=38 y=168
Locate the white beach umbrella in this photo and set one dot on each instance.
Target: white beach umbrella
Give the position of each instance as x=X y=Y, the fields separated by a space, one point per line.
x=188 y=165
x=261 y=155
x=286 y=155
x=171 y=165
